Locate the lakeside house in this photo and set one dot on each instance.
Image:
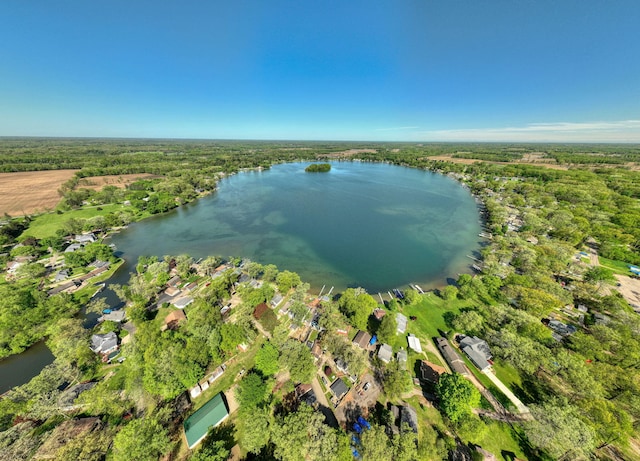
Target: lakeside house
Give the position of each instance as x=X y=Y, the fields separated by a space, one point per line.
x=276 y=300
x=414 y=343
x=430 y=372
x=104 y=343
x=211 y=414
x=85 y=238
x=402 y=358
x=362 y=339
x=182 y=302
x=117 y=316
x=451 y=356
x=385 y=353
x=401 y=321
x=73 y=248
x=478 y=351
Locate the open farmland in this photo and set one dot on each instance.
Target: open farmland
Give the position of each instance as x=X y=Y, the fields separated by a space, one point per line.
x=31 y=191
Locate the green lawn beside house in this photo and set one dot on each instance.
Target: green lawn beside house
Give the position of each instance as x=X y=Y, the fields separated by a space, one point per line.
x=46 y=225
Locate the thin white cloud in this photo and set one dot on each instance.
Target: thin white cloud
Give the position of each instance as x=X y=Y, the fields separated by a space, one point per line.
x=616 y=131
x=397 y=128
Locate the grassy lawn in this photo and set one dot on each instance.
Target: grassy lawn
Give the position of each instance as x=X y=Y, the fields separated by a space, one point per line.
x=617 y=267
x=501 y=439
x=433 y=358
x=486 y=382
x=507 y=374
x=430 y=312
x=84 y=294
x=47 y=224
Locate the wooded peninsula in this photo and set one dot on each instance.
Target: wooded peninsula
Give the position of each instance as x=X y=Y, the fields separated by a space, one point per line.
x=534 y=354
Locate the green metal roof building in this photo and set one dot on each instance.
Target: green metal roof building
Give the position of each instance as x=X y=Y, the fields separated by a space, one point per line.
x=210 y=415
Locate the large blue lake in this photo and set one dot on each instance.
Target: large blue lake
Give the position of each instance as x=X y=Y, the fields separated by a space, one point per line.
x=373 y=225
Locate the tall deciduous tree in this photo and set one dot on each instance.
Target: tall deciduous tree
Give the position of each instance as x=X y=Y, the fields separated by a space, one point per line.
x=295 y=357
x=140 y=440
x=457 y=396
x=267 y=359
x=557 y=429
x=387 y=329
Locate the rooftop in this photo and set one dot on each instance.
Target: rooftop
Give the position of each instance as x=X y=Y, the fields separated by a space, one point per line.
x=385 y=353
x=209 y=415
x=339 y=388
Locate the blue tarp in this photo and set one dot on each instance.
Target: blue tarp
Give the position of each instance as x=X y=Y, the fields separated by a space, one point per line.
x=357 y=428
x=373 y=339
x=363 y=422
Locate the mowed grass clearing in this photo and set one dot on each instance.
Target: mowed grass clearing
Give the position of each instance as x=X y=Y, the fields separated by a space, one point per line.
x=617 y=267
x=429 y=312
x=47 y=224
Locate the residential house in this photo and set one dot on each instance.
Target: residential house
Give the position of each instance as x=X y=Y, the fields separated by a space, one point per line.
x=409 y=416
x=172 y=291
x=385 y=353
x=256 y=283
x=85 y=238
x=414 y=343
x=182 y=302
x=401 y=321
x=72 y=248
x=104 y=343
x=477 y=350
x=61 y=275
x=401 y=415
x=451 y=356
x=316 y=349
x=113 y=316
x=174 y=281
x=211 y=414
x=402 y=358
x=339 y=388
x=276 y=300
x=342 y=366
x=379 y=313
x=362 y=339
x=430 y=372
x=173 y=320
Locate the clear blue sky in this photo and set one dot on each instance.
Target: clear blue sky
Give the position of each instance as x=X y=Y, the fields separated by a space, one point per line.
x=423 y=70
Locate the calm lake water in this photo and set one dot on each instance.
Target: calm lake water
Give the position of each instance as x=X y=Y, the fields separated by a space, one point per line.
x=361 y=224
x=372 y=225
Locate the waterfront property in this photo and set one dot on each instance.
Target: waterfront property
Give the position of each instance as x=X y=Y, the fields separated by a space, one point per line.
x=477 y=350
x=453 y=359
x=211 y=414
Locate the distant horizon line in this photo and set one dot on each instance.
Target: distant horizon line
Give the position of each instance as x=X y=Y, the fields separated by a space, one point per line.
x=129 y=138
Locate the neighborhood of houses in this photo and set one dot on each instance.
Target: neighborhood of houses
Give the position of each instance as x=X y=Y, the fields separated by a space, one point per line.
x=334 y=390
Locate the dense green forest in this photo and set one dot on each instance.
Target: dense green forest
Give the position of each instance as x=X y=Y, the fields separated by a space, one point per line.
x=582 y=387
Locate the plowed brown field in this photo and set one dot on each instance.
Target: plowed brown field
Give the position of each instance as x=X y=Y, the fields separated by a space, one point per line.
x=31 y=191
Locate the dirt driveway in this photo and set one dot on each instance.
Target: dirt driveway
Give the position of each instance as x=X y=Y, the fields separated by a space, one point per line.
x=630 y=290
